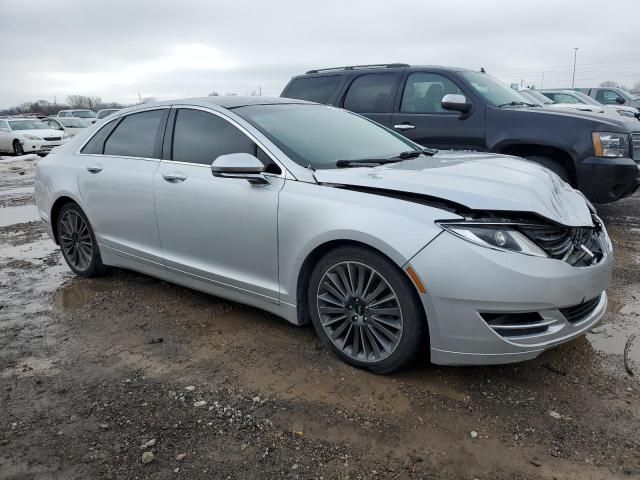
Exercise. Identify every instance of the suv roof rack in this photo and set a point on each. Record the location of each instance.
(354, 67)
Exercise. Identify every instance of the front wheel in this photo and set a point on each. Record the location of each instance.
(17, 148)
(365, 309)
(78, 242)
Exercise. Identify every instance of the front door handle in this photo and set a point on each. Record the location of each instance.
(404, 126)
(94, 169)
(174, 177)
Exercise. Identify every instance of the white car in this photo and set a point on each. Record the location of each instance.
(79, 113)
(105, 112)
(28, 135)
(70, 126)
(583, 101)
(544, 101)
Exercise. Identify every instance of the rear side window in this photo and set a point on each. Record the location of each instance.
(135, 135)
(313, 89)
(371, 94)
(201, 137)
(95, 146)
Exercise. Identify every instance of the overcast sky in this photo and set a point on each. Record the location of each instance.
(117, 49)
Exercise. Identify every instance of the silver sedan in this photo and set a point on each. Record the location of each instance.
(319, 215)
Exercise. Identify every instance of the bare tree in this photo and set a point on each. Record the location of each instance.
(214, 94)
(636, 88)
(149, 99)
(83, 101)
(609, 83)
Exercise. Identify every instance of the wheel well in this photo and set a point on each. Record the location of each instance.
(55, 211)
(562, 157)
(307, 268)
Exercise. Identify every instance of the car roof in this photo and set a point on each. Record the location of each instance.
(226, 101)
(76, 110)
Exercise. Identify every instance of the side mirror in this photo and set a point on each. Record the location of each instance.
(620, 100)
(456, 103)
(240, 165)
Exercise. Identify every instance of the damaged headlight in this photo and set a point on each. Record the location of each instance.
(495, 236)
(611, 145)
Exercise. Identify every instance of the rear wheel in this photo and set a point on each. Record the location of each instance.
(78, 242)
(17, 148)
(365, 309)
(554, 165)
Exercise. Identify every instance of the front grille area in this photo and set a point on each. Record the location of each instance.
(635, 145)
(517, 324)
(52, 139)
(581, 311)
(578, 246)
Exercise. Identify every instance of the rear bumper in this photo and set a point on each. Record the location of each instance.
(464, 282)
(605, 180)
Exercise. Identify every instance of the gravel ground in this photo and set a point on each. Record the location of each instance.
(98, 376)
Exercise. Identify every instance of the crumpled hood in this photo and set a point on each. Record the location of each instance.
(479, 181)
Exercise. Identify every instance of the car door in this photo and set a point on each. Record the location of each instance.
(221, 230)
(116, 184)
(421, 118)
(372, 95)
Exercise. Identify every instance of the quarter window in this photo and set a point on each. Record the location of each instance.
(423, 93)
(313, 89)
(201, 137)
(371, 94)
(135, 135)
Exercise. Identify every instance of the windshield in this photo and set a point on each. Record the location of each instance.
(584, 98)
(28, 125)
(493, 91)
(537, 97)
(319, 136)
(83, 114)
(73, 122)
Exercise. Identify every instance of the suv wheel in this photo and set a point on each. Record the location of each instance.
(365, 309)
(554, 165)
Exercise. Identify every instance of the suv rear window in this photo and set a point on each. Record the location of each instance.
(371, 94)
(313, 89)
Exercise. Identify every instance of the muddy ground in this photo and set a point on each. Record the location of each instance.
(92, 370)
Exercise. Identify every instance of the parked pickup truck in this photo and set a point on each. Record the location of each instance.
(462, 109)
(612, 96)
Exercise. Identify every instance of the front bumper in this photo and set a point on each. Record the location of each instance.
(464, 280)
(41, 146)
(605, 180)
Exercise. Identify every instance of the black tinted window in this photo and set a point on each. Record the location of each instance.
(135, 135)
(313, 89)
(201, 137)
(371, 94)
(96, 144)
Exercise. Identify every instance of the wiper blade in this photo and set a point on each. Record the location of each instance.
(416, 153)
(365, 162)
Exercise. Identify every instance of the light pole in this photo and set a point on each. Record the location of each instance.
(573, 78)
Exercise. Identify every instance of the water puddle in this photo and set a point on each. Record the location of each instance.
(77, 293)
(23, 214)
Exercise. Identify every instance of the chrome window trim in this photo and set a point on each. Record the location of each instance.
(88, 139)
(285, 172)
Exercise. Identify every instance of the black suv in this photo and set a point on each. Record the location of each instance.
(461, 109)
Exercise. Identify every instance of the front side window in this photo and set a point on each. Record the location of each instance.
(319, 136)
(4, 124)
(495, 93)
(135, 135)
(564, 98)
(201, 137)
(371, 94)
(423, 93)
(313, 89)
(608, 97)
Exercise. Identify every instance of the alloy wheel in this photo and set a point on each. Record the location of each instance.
(17, 148)
(75, 240)
(359, 311)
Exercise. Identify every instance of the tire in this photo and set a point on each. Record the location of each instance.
(552, 164)
(17, 148)
(379, 303)
(78, 242)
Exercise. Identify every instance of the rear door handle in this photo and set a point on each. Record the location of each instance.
(404, 126)
(174, 177)
(94, 169)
